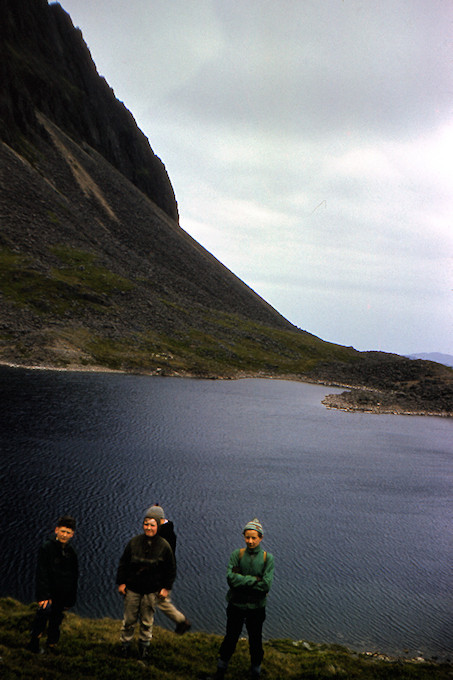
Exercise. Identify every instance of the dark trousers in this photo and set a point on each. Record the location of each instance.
(51, 615)
(253, 619)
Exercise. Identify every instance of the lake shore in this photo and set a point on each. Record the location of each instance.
(357, 399)
(89, 648)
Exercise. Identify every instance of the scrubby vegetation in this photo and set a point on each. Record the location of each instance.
(89, 649)
(78, 303)
(77, 284)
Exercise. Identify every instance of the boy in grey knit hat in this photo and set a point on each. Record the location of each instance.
(166, 606)
(145, 576)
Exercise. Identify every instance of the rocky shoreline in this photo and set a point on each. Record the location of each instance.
(353, 403)
(353, 400)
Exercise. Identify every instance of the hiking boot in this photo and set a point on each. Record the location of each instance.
(33, 646)
(143, 651)
(51, 649)
(125, 651)
(183, 627)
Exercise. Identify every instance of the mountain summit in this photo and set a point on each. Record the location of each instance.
(95, 269)
(46, 67)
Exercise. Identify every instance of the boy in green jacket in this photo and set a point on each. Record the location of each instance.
(249, 574)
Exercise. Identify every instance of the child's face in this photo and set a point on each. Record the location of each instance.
(64, 534)
(252, 538)
(150, 527)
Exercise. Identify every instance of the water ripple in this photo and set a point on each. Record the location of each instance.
(354, 509)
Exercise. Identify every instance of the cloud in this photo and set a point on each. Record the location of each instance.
(326, 67)
(147, 50)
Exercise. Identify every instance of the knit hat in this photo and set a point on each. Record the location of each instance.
(155, 512)
(254, 525)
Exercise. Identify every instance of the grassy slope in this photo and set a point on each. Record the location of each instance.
(78, 292)
(88, 649)
(77, 313)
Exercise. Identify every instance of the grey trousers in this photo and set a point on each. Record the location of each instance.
(168, 608)
(142, 608)
(138, 608)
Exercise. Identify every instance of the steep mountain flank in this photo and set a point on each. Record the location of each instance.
(95, 270)
(81, 244)
(46, 66)
(89, 244)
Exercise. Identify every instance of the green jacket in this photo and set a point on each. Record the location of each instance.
(250, 577)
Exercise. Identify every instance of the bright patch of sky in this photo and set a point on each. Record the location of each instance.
(310, 146)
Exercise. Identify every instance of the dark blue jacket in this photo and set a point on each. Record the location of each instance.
(57, 573)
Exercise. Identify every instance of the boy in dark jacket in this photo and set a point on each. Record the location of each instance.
(166, 606)
(146, 573)
(56, 584)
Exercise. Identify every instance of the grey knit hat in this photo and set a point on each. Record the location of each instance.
(254, 525)
(155, 512)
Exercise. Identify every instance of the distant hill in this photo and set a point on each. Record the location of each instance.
(95, 270)
(445, 359)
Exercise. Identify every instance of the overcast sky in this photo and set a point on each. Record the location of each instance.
(310, 146)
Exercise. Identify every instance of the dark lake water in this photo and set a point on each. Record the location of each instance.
(356, 508)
